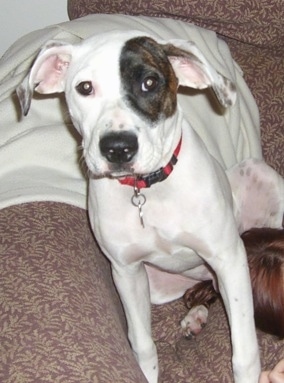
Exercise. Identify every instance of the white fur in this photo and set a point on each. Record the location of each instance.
(189, 218)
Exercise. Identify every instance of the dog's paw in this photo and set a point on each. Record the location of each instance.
(194, 321)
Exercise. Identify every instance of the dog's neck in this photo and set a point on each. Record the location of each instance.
(147, 180)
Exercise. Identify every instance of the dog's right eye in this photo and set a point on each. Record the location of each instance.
(150, 83)
(85, 88)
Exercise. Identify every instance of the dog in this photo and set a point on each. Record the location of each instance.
(161, 208)
(265, 253)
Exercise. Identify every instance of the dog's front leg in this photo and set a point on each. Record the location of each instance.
(234, 285)
(132, 285)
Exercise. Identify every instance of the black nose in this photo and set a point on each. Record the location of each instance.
(119, 147)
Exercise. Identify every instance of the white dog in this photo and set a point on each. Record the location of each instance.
(121, 91)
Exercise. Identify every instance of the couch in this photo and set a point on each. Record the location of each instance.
(60, 316)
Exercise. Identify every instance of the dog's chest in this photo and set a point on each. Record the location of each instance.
(118, 229)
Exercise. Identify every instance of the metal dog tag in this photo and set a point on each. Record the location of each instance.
(138, 200)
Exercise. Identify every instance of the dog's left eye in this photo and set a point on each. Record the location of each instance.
(149, 83)
(85, 88)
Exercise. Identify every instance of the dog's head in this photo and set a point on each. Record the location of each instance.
(121, 91)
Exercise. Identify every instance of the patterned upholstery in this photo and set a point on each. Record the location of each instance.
(259, 23)
(60, 317)
(61, 320)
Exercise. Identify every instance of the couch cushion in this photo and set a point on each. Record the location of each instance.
(255, 22)
(61, 320)
(206, 358)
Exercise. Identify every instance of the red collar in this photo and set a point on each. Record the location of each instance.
(147, 180)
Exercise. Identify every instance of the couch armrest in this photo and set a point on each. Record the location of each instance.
(61, 320)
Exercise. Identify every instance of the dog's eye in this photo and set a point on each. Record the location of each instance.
(85, 88)
(149, 84)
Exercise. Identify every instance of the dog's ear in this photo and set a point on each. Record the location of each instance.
(47, 74)
(193, 70)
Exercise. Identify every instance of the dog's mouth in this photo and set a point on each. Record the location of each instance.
(119, 170)
(127, 175)
(106, 169)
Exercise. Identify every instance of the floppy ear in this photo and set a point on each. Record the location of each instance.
(47, 74)
(193, 70)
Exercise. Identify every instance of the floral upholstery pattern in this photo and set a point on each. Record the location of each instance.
(257, 22)
(60, 317)
(61, 320)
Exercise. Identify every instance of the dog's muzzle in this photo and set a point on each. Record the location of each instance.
(119, 147)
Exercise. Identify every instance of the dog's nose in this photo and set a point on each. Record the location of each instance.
(119, 147)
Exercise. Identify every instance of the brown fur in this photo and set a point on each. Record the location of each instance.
(143, 58)
(203, 293)
(265, 251)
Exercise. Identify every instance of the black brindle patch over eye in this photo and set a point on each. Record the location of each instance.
(148, 80)
(85, 88)
(149, 84)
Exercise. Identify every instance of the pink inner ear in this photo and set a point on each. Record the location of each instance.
(189, 72)
(51, 74)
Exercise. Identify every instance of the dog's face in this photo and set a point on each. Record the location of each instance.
(122, 98)
(121, 91)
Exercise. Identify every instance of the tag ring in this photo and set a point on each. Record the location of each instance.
(138, 200)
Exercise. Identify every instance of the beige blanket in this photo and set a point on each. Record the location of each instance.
(39, 156)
